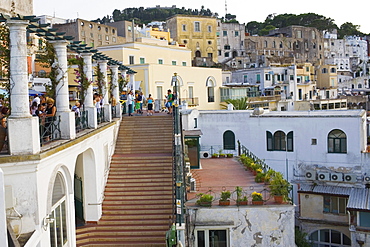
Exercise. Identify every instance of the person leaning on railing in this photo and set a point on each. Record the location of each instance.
(3, 133)
(50, 111)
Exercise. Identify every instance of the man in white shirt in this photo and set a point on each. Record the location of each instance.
(36, 99)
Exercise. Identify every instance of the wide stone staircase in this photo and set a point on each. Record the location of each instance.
(138, 204)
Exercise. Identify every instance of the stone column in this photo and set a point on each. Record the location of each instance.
(107, 107)
(67, 117)
(89, 99)
(23, 129)
(116, 91)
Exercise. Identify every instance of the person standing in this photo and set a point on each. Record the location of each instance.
(130, 99)
(150, 102)
(169, 103)
(36, 99)
(50, 111)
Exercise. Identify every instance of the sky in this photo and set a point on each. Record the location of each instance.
(244, 11)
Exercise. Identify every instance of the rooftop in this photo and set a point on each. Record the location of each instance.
(219, 174)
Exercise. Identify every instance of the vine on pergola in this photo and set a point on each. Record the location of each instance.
(4, 57)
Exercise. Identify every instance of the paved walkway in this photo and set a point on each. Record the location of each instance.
(218, 174)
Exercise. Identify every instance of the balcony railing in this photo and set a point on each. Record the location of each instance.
(101, 115)
(49, 129)
(191, 101)
(82, 121)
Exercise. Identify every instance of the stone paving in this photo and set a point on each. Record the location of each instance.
(219, 174)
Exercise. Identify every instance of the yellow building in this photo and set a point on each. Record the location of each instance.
(156, 62)
(327, 76)
(198, 33)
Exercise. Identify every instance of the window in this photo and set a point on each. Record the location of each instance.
(58, 227)
(131, 59)
(299, 34)
(114, 39)
(335, 205)
(209, 29)
(91, 35)
(173, 62)
(106, 37)
(159, 93)
(227, 54)
(227, 47)
(197, 26)
(210, 238)
(236, 33)
(313, 141)
(329, 238)
(183, 63)
(229, 140)
(211, 94)
(279, 141)
(337, 142)
(191, 92)
(267, 77)
(224, 33)
(99, 37)
(184, 27)
(209, 42)
(364, 219)
(142, 60)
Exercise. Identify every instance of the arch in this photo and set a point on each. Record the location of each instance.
(85, 176)
(211, 82)
(279, 141)
(229, 140)
(337, 141)
(198, 54)
(58, 203)
(235, 54)
(329, 237)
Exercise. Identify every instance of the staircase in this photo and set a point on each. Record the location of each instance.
(138, 204)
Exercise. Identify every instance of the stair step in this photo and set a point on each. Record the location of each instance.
(135, 217)
(137, 211)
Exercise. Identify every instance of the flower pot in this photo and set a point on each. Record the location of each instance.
(254, 173)
(224, 203)
(242, 203)
(279, 199)
(257, 202)
(205, 204)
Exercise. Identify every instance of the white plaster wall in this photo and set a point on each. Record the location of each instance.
(32, 181)
(249, 225)
(251, 131)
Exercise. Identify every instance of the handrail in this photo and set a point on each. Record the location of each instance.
(82, 121)
(49, 129)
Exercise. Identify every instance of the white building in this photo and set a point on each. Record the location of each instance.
(322, 152)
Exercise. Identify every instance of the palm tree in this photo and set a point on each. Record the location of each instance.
(239, 104)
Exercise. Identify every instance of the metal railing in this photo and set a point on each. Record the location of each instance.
(49, 129)
(82, 121)
(101, 115)
(114, 112)
(191, 101)
(243, 150)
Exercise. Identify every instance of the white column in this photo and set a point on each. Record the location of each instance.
(89, 99)
(3, 227)
(23, 129)
(67, 117)
(106, 105)
(116, 91)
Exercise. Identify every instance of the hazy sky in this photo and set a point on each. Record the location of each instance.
(245, 11)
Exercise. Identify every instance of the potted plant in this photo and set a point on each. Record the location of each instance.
(260, 176)
(240, 199)
(214, 155)
(221, 154)
(268, 175)
(257, 198)
(225, 198)
(229, 155)
(279, 187)
(204, 200)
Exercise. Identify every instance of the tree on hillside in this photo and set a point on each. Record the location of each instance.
(349, 29)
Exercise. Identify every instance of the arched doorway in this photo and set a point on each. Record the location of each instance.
(229, 140)
(58, 226)
(198, 54)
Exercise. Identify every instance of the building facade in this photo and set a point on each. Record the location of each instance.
(197, 33)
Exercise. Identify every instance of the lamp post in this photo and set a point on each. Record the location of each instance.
(179, 164)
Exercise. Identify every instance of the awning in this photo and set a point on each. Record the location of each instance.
(188, 133)
(3, 92)
(32, 92)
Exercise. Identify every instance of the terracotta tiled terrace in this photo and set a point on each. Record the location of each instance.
(218, 174)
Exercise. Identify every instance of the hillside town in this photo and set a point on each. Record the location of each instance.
(191, 131)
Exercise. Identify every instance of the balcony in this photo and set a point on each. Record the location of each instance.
(191, 101)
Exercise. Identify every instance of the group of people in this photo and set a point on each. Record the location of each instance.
(44, 108)
(135, 103)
